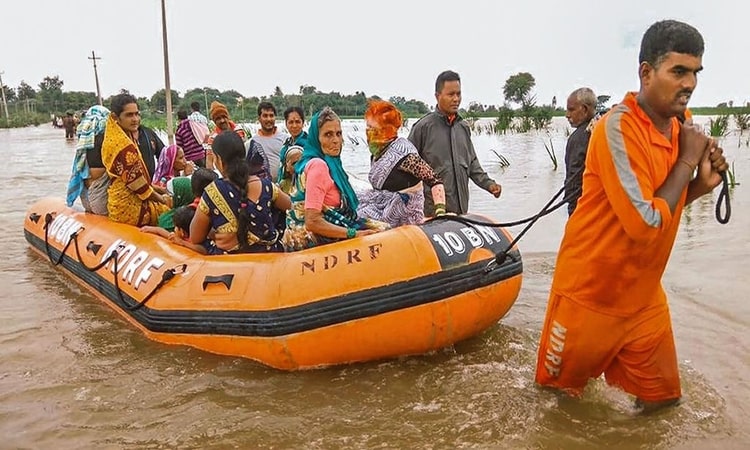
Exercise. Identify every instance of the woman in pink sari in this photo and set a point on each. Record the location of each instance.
(171, 164)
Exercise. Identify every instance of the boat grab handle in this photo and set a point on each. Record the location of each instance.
(226, 279)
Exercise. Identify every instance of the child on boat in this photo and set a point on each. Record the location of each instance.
(181, 234)
(186, 191)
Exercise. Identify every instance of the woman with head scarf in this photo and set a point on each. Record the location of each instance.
(131, 198)
(171, 164)
(324, 205)
(286, 171)
(397, 172)
(87, 181)
(294, 118)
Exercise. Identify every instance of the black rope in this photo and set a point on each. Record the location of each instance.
(165, 276)
(549, 208)
(723, 194)
(47, 222)
(723, 198)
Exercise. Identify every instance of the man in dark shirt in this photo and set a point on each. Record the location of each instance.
(581, 108)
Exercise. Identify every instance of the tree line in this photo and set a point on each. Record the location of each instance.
(519, 112)
(28, 105)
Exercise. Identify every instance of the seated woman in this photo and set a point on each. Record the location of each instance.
(294, 118)
(325, 205)
(286, 171)
(396, 173)
(131, 199)
(89, 179)
(171, 164)
(186, 191)
(239, 204)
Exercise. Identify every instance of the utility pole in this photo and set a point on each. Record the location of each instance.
(167, 90)
(93, 57)
(5, 103)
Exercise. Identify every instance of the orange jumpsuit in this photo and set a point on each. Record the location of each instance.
(607, 311)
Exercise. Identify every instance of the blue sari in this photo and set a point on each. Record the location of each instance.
(221, 202)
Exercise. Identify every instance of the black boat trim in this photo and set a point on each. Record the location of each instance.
(284, 321)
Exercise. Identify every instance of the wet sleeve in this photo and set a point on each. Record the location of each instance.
(620, 156)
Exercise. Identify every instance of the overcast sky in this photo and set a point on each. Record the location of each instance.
(384, 47)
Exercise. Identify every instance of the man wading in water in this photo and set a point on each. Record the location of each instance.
(607, 311)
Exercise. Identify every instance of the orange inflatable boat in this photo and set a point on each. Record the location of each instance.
(409, 290)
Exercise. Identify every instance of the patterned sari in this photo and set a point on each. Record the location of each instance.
(131, 185)
(396, 208)
(221, 203)
(297, 237)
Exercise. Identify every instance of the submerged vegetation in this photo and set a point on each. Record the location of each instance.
(731, 175)
(719, 127)
(551, 152)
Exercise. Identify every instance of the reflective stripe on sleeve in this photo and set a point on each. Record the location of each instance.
(628, 180)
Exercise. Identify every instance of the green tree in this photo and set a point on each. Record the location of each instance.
(601, 102)
(10, 94)
(398, 101)
(159, 99)
(78, 100)
(51, 84)
(25, 92)
(475, 108)
(307, 90)
(50, 94)
(518, 88)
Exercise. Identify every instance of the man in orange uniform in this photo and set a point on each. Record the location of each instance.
(607, 311)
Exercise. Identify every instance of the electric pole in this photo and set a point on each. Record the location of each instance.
(167, 90)
(5, 103)
(93, 57)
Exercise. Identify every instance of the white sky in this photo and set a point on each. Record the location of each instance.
(383, 47)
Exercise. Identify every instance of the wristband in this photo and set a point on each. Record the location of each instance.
(684, 161)
(350, 233)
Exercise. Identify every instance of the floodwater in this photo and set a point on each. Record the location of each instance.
(73, 374)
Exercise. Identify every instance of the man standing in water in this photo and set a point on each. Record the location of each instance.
(444, 141)
(607, 311)
(580, 111)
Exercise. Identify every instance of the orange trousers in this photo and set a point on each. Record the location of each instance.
(634, 353)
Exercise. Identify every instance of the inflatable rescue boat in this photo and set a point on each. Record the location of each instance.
(405, 291)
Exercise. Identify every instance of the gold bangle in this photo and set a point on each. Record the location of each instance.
(692, 167)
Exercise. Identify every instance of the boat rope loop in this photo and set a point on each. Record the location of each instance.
(113, 256)
(165, 277)
(723, 198)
